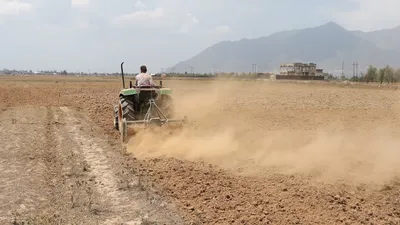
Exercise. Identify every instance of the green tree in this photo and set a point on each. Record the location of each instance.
(397, 75)
(355, 79)
(362, 77)
(372, 74)
(381, 75)
(389, 74)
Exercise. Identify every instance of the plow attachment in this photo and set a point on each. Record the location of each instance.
(154, 117)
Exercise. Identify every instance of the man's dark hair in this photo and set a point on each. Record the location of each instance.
(143, 69)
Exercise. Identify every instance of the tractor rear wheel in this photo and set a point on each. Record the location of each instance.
(128, 110)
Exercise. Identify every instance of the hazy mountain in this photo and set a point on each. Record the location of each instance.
(327, 45)
(385, 39)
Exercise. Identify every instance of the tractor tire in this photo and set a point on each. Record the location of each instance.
(116, 125)
(128, 111)
(124, 131)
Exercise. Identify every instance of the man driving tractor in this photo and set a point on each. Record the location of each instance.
(143, 78)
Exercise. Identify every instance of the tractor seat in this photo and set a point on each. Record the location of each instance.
(156, 86)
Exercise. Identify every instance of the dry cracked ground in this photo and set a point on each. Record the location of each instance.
(255, 152)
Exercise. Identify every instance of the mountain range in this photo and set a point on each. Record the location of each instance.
(328, 45)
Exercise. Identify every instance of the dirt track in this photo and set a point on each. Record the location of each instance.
(268, 153)
(56, 169)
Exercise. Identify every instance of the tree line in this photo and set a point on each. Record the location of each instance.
(379, 75)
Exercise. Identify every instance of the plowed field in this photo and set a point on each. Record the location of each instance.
(254, 152)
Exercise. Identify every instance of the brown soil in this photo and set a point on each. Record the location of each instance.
(254, 153)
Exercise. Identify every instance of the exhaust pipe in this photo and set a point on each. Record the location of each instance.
(122, 74)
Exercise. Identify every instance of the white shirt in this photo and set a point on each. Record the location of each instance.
(144, 79)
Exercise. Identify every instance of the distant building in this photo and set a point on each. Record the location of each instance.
(319, 72)
(300, 69)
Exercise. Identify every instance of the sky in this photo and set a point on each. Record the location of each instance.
(97, 35)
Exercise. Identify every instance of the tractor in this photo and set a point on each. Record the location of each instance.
(143, 106)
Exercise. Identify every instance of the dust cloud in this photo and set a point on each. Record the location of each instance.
(224, 137)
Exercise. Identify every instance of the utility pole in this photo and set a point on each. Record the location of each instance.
(253, 68)
(354, 68)
(342, 68)
(192, 70)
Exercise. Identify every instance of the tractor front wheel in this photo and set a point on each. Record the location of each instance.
(116, 126)
(124, 130)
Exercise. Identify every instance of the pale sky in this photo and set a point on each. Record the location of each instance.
(97, 35)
